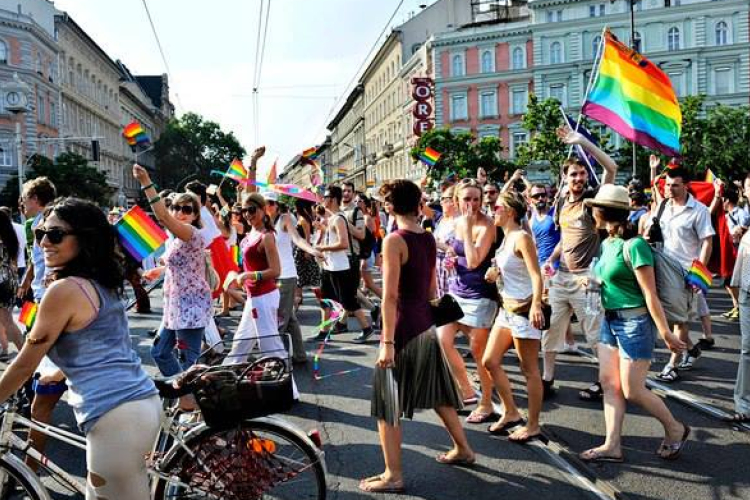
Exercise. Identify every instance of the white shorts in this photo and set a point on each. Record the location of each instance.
(520, 327)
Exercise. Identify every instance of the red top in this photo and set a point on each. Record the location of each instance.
(254, 259)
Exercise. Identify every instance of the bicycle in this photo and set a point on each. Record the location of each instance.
(263, 457)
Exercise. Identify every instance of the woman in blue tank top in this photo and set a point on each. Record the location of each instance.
(82, 325)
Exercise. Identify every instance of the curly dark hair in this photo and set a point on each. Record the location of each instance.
(8, 235)
(97, 258)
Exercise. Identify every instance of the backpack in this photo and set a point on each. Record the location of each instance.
(366, 244)
(675, 296)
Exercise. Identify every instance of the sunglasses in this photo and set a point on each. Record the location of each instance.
(539, 195)
(185, 209)
(469, 182)
(491, 191)
(54, 235)
(270, 202)
(249, 210)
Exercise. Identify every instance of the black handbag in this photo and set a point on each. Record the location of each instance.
(546, 312)
(446, 310)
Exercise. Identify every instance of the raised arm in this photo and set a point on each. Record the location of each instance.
(571, 138)
(178, 229)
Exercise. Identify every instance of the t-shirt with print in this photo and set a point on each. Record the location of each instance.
(578, 235)
(620, 289)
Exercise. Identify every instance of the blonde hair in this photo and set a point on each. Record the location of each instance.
(514, 201)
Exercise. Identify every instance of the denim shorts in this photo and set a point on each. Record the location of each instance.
(633, 336)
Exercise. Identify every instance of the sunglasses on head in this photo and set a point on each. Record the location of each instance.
(469, 182)
(54, 235)
(185, 209)
(250, 210)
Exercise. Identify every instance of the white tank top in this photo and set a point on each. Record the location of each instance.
(337, 260)
(516, 278)
(284, 245)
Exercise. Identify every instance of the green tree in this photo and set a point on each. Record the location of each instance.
(693, 133)
(192, 146)
(70, 173)
(542, 119)
(726, 142)
(462, 155)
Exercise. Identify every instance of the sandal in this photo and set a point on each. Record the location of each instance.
(597, 456)
(480, 417)
(444, 459)
(592, 393)
(504, 429)
(376, 484)
(673, 451)
(668, 374)
(738, 418)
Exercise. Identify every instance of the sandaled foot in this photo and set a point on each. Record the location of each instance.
(454, 458)
(378, 484)
(672, 451)
(480, 416)
(503, 426)
(525, 435)
(738, 418)
(594, 455)
(592, 393)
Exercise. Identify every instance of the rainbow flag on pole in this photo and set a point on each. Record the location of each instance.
(430, 157)
(699, 276)
(710, 177)
(237, 255)
(135, 135)
(28, 314)
(635, 98)
(139, 234)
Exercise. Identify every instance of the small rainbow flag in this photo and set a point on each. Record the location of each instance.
(341, 171)
(699, 276)
(135, 135)
(710, 177)
(237, 255)
(430, 157)
(139, 234)
(28, 314)
(311, 153)
(370, 183)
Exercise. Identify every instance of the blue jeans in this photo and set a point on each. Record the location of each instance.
(188, 341)
(634, 336)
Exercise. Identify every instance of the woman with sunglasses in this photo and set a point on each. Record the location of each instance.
(470, 253)
(187, 296)
(445, 230)
(82, 326)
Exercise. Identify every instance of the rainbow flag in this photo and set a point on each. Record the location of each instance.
(370, 183)
(135, 135)
(341, 172)
(710, 177)
(272, 175)
(237, 255)
(699, 276)
(28, 314)
(311, 153)
(139, 234)
(430, 157)
(635, 98)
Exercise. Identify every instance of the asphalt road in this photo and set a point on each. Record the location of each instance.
(713, 466)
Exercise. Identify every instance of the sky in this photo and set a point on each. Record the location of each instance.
(313, 49)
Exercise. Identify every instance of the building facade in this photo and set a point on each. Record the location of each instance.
(28, 56)
(348, 150)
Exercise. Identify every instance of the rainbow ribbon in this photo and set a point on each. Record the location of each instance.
(336, 313)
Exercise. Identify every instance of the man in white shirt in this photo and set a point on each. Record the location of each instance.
(687, 234)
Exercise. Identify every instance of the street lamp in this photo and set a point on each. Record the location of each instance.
(16, 95)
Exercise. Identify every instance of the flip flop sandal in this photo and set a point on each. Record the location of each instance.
(472, 400)
(443, 459)
(674, 450)
(597, 456)
(528, 439)
(738, 418)
(592, 393)
(480, 417)
(368, 485)
(669, 375)
(504, 430)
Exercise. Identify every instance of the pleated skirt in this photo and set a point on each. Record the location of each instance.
(421, 380)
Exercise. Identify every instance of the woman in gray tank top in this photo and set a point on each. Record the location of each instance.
(82, 325)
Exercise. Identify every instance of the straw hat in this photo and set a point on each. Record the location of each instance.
(610, 196)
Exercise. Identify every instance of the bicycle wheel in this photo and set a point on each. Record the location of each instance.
(14, 485)
(256, 460)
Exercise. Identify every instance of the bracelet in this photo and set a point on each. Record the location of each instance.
(258, 275)
(386, 342)
(152, 185)
(153, 200)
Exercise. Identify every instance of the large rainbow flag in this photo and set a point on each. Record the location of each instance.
(139, 234)
(635, 98)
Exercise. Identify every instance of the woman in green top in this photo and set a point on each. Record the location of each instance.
(626, 341)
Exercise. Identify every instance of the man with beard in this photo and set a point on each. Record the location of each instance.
(491, 192)
(545, 231)
(579, 244)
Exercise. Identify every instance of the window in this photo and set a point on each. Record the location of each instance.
(637, 41)
(602, 9)
(595, 45)
(722, 33)
(677, 83)
(519, 102)
(557, 91)
(39, 63)
(458, 107)
(40, 109)
(550, 16)
(488, 65)
(558, 16)
(457, 65)
(555, 53)
(6, 156)
(673, 39)
(3, 53)
(592, 10)
(52, 113)
(722, 81)
(516, 141)
(518, 59)
(488, 104)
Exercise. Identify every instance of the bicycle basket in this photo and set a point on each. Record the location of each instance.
(230, 394)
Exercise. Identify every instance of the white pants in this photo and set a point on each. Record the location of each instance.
(116, 448)
(567, 295)
(259, 327)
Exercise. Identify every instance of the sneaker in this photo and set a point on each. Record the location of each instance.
(570, 348)
(689, 358)
(320, 337)
(364, 335)
(375, 316)
(706, 344)
(668, 374)
(548, 387)
(4, 356)
(730, 312)
(734, 315)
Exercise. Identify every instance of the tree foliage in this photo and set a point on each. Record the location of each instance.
(542, 119)
(462, 155)
(191, 147)
(70, 173)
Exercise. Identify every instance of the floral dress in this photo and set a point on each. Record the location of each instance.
(8, 279)
(187, 297)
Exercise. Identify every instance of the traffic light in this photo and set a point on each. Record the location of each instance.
(95, 150)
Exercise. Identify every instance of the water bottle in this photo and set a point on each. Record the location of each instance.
(593, 291)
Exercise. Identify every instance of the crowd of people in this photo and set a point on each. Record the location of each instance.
(520, 263)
